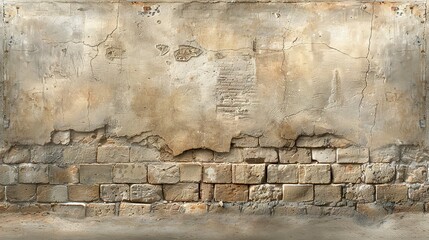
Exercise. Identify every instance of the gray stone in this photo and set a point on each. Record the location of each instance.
(79, 154)
(295, 155)
(33, 173)
(260, 155)
(327, 194)
(52, 193)
(353, 155)
(69, 210)
(144, 154)
(361, 193)
(324, 155)
(61, 137)
(47, 154)
(8, 175)
(379, 173)
(17, 155)
(21, 193)
(385, 154)
(235, 155)
(145, 193)
(113, 154)
(100, 173)
(114, 192)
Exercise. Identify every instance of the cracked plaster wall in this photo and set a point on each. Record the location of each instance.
(198, 74)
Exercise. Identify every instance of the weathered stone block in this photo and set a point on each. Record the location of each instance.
(114, 192)
(346, 173)
(385, 154)
(33, 173)
(217, 173)
(298, 193)
(256, 209)
(145, 193)
(47, 154)
(295, 155)
(327, 194)
(2, 193)
(317, 173)
(419, 192)
(203, 155)
(282, 173)
(63, 175)
(129, 173)
(245, 141)
(163, 173)
(61, 137)
(133, 209)
(190, 172)
(361, 193)
(324, 155)
(288, 210)
(144, 154)
(265, 192)
(260, 155)
(194, 208)
(166, 209)
(181, 192)
(371, 210)
(21, 193)
(17, 155)
(414, 154)
(100, 210)
(200, 155)
(8, 175)
(69, 210)
(206, 192)
(353, 155)
(235, 155)
(224, 208)
(391, 193)
(83, 193)
(411, 173)
(379, 173)
(101, 173)
(79, 154)
(409, 208)
(113, 154)
(322, 142)
(231, 193)
(248, 173)
(52, 193)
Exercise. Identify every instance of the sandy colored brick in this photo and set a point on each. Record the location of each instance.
(206, 192)
(391, 193)
(371, 210)
(265, 192)
(346, 173)
(144, 154)
(245, 141)
(315, 173)
(113, 154)
(235, 155)
(100, 173)
(130, 173)
(166, 209)
(379, 173)
(248, 173)
(52, 193)
(231, 192)
(69, 210)
(361, 193)
(217, 173)
(114, 192)
(21, 193)
(181, 192)
(168, 173)
(327, 194)
(282, 173)
(324, 155)
(260, 155)
(323, 141)
(385, 154)
(8, 175)
(297, 193)
(193, 208)
(190, 172)
(83, 193)
(295, 155)
(17, 155)
(79, 154)
(145, 193)
(133, 209)
(100, 210)
(63, 175)
(33, 173)
(353, 155)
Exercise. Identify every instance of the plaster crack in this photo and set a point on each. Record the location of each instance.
(367, 59)
(374, 120)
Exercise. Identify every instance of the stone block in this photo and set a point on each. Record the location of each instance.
(260, 155)
(245, 141)
(69, 210)
(61, 137)
(411, 173)
(265, 192)
(21, 193)
(282, 173)
(325, 141)
(248, 173)
(190, 172)
(409, 208)
(198, 155)
(167, 173)
(181, 192)
(52, 193)
(194, 208)
(346, 173)
(130, 173)
(371, 210)
(114, 192)
(206, 192)
(51, 154)
(35, 208)
(324, 155)
(327, 194)
(361, 193)
(315, 173)
(83, 193)
(256, 209)
(63, 175)
(414, 154)
(145, 193)
(353, 155)
(295, 155)
(144, 154)
(100, 210)
(385, 154)
(100, 173)
(17, 155)
(2, 193)
(113, 154)
(289, 210)
(8, 175)
(235, 155)
(78, 154)
(297, 193)
(419, 192)
(166, 209)
(224, 208)
(133, 209)
(391, 193)
(379, 173)
(33, 173)
(217, 173)
(231, 192)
